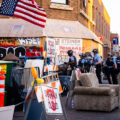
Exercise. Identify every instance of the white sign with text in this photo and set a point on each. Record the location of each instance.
(51, 100)
(50, 47)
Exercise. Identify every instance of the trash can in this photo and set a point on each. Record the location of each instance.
(6, 66)
(65, 83)
(2, 88)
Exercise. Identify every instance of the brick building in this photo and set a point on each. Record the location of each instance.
(90, 13)
(102, 27)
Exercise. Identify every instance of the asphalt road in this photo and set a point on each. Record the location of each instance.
(80, 115)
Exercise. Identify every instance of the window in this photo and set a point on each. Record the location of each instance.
(84, 3)
(60, 1)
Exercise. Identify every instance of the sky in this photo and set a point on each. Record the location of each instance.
(113, 8)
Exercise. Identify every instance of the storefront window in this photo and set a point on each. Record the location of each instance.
(60, 1)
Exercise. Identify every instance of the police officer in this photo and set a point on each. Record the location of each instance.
(118, 67)
(97, 62)
(72, 59)
(81, 62)
(110, 70)
(118, 63)
(88, 62)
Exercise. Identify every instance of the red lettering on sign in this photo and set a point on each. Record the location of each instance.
(51, 99)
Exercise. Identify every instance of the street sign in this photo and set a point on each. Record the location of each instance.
(115, 48)
(115, 40)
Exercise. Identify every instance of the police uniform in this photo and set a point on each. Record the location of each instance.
(118, 68)
(74, 64)
(97, 58)
(118, 64)
(81, 64)
(110, 71)
(88, 63)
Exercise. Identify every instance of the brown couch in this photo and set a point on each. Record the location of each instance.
(90, 95)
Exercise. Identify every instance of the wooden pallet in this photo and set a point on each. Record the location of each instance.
(51, 77)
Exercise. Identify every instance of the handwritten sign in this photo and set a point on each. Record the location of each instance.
(50, 47)
(51, 100)
(69, 44)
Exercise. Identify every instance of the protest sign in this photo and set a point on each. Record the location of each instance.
(51, 100)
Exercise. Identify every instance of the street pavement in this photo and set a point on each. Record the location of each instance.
(79, 115)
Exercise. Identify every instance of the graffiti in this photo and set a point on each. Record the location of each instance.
(21, 51)
(7, 43)
(21, 47)
(2, 52)
(29, 41)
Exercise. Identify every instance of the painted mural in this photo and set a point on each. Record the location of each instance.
(21, 47)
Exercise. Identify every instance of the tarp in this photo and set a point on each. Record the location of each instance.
(68, 29)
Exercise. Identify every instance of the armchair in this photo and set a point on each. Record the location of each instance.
(90, 95)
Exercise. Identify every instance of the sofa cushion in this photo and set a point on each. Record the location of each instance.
(104, 91)
(89, 80)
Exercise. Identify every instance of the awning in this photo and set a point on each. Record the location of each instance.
(19, 28)
(54, 28)
(68, 29)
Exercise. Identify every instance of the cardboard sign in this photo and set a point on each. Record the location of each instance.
(3, 68)
(51, 100)
(38, 91)
(50, 47)
(55, 84)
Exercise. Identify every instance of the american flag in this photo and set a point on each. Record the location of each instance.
(24, 9)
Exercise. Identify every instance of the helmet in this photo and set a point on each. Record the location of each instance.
(95, 51)
(84, 55)
(109, 54)
(70, 52)
(81, 54)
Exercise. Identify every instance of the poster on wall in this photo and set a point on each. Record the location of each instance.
(21, 47)
(69, 44)
(51, 100)
(65, 44)
(50, 47)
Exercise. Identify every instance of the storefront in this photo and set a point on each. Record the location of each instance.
(27, 40)
(71, 35)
